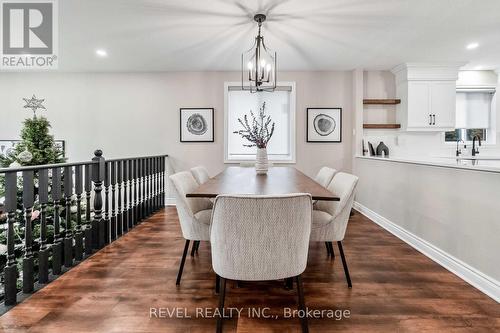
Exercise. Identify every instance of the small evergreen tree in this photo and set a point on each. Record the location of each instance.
(37, 146)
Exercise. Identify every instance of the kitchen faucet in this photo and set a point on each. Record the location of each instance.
(475, 150)
(458, 150)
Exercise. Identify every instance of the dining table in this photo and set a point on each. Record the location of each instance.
(238, 180)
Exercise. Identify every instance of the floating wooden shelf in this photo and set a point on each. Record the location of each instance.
(382, 126)
(381, 101)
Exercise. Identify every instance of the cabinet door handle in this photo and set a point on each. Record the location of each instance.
(434, 119)
(430, 119)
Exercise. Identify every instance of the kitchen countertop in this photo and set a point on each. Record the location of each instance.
(484, 163)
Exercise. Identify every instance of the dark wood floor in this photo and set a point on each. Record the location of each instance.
(395, 288)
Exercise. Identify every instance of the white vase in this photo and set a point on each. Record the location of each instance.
(261, 163)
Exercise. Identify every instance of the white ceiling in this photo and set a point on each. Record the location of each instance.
(164, 35)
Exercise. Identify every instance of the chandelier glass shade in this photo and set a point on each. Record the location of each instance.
(258, 64)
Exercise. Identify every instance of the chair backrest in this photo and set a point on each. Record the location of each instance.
(200, 173)
(184, 183)
(325, 176)
(344, 186)
(260, 237)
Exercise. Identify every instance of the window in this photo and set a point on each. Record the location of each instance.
(473, 116)
(280, 105)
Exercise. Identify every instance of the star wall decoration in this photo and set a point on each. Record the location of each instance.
(34, 104)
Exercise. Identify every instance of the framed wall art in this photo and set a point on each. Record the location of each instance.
(197, 125)
(324, 125)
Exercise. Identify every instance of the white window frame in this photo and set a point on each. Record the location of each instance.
(293, 116)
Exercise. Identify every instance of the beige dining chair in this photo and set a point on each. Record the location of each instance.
(330, 218)
(200, 173)
(258, 238)
(325, 176)
(194, 214)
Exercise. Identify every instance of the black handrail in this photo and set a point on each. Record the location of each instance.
(44, 166)
(48, 198)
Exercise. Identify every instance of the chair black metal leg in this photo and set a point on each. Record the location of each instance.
(217, 283)
(302, 304)
(327, 248)
(332, 252)
(289, 283)
(193, 248)
(344, 263)
(222, 295)
(198, 246)
(181, 267)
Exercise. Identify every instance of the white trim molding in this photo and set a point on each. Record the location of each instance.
(484, 283)
(169, 201)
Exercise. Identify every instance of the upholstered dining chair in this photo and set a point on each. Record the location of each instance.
(200, 173)
(330, 218)
(257, 238)
(194, 214)
(325, 176)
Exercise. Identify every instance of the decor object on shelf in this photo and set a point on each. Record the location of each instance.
(382, 149)
(372, 150)
(324, 124)
(197, 125)
(258, 134)
(258, 64)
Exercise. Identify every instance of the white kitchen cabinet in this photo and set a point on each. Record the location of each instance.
(428, 96)
(443, 104)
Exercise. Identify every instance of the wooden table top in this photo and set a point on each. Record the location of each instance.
(279, 180)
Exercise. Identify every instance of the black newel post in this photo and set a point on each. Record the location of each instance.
(68, 233)
(57, 245)
(97, 178)
(43, 254)
(10, 270)
(78, 229)
(88, 224)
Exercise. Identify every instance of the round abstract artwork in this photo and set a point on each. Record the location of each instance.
(196, 124)
(324, 124)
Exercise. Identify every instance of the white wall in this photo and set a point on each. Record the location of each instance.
(381, 84)
(130, 114)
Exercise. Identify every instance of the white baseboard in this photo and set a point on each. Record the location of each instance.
(481, 281)
(169, 201)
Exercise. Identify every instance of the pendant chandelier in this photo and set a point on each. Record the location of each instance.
(258, 65)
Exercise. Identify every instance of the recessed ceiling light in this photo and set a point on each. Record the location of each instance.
(101, 53)
(472, 46)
